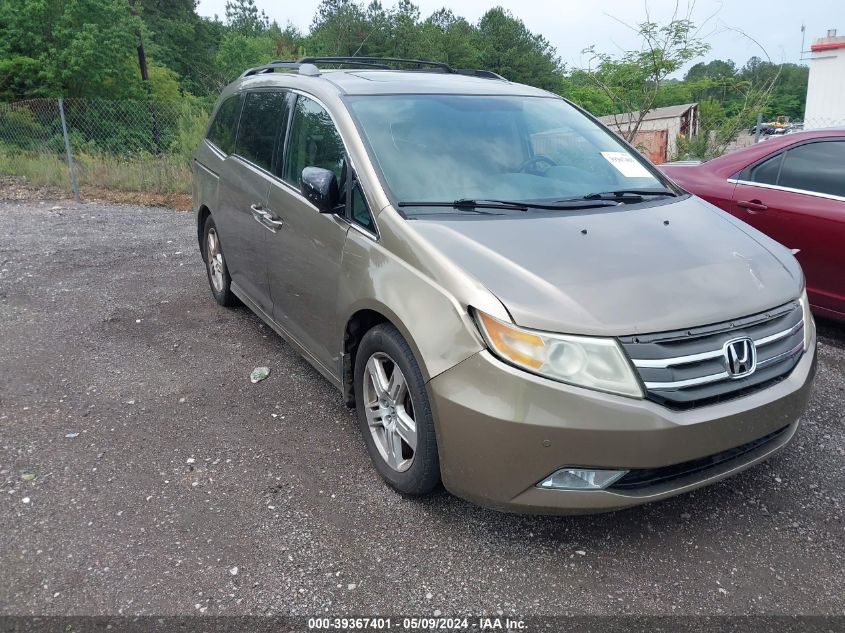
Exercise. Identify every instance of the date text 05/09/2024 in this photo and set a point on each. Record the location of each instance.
(417, 624)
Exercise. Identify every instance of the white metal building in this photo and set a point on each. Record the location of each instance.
(826, 86)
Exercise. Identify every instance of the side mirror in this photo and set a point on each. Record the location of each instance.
(319, 186)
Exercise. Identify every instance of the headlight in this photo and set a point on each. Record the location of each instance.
(809, 324)
(595, 363)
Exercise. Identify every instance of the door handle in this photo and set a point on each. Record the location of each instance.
(272, 222)
(264, 217)
(752, 205)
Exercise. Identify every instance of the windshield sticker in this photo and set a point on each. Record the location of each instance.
(626, 164)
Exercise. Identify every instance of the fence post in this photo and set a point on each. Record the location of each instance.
(74, 185)
(759, 125)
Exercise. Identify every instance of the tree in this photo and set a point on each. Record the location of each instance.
(405, 30)
(289, 42)
(449, 38)
(238, 52)
(510, 49)
(84, 48)
(789, 86)
(338, 28)
(632, 81)
(87, 48)
(578, 86)
(176, 37)
(243, 17)
(716, 69)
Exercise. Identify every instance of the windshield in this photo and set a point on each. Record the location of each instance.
(456, 147)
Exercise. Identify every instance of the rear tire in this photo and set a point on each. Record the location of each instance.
(215, 266)
(394, 413)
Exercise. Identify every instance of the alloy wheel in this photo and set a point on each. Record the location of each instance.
(215, 260)
(390, 412)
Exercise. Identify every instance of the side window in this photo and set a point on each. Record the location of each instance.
(767, 171)
(314, 142)
(224, 126)
(263, 113)
(360, 212)
(818, 167)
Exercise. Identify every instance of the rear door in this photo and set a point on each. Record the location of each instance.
(304, 256)
(797, 197)
(245, 183)
(755, 200)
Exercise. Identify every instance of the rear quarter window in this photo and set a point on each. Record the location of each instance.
(263, 114)
(224, 127)
(767, 171)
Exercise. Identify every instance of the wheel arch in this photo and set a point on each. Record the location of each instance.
(376, 285)
(356, 326)
(203, 214)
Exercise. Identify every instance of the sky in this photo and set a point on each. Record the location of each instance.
(572, 25)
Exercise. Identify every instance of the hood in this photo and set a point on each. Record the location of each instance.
(672, 265)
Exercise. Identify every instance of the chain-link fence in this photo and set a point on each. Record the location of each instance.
(122, 145)
(818, 123)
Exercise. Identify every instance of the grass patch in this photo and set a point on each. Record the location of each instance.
(166, 174)
(39, 169)
(148, 173)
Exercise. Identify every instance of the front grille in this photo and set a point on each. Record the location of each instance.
(646, 477)
(689, 368)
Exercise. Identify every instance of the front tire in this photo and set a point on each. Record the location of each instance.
(394, 413)
(215, 265)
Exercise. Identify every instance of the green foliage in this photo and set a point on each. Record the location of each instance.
(632, 80)
(238, 52)
(450, 38)
(716, 69)
(88, 49)
(164, 83)
(80, 48)
(510, 49)
(142, 173)
(638, 80)
(30, 128)
(789, 93)
(122, 145)
(499, 42)
(177, 38)
(341, 27)
(242, 16)
(36, 167)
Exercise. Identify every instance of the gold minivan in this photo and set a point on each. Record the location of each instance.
(515, 301)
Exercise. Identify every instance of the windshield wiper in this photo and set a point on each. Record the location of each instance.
(516, 205)
(467, 204)
(628, 195)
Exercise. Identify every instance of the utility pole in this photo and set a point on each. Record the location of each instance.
(142, 56)
(145, 77)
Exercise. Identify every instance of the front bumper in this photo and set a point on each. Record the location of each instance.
(501, 430)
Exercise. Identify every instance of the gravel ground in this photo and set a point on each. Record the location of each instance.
(166, 483)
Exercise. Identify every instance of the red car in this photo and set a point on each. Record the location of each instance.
(791, 188)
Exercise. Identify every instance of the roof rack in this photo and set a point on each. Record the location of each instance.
(474, 72)
(383, 62)
(308, 66)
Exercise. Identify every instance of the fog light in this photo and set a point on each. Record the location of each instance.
(581, 479)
